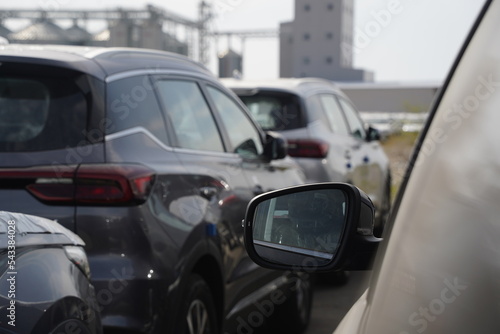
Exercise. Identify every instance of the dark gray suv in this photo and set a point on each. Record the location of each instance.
(151, 162)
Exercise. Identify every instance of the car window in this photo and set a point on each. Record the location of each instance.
(315, 111)
(334, 114)
(355, 123)
(191, 118)
(132, 103)
(274, 111)
(41, 113)
(244, 137)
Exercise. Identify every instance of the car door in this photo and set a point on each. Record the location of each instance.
(367, 156)
(207, 161)
(342, 144)
(204, 160)
(245, 140)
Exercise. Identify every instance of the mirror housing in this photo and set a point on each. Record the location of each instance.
(275, 146)
(339, 236)
(372, 134)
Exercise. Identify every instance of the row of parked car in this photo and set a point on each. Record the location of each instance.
(159, 210)
(149, 163)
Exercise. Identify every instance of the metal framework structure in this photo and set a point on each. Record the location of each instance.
(151, 12)
(202, 26)
(265, 33)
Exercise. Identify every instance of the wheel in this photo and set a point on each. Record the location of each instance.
(292, 317)
(385, 209)
(197, 309)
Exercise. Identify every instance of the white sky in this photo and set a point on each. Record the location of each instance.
(418, 43)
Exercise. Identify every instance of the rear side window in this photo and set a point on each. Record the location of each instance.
(191, 118)
(132, 104)
(41, 113)
(334, 114)
(274, 111)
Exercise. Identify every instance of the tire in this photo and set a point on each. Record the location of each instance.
(293, 316)
(197, 314)
(385, 209)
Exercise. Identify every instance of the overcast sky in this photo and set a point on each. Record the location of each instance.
(418, 42)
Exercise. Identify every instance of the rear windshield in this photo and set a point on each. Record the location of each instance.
(40, 112)
(274, 111)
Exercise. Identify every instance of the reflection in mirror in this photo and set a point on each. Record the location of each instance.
(308, 223)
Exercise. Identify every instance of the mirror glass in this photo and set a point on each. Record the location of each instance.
(301, 226)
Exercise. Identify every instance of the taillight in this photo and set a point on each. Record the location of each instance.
(99, 184)
(47, 183)
(115, 184)
(307, 148)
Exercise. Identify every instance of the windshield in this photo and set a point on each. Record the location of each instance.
(275, 111)
(40, 112)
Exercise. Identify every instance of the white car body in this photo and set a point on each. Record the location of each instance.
(438, 269)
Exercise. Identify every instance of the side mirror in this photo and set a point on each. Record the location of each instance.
(372, 134)
(313, 227)
(275, 146)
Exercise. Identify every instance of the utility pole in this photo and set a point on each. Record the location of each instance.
(205, 16)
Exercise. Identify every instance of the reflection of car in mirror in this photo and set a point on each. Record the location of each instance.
(308, 223)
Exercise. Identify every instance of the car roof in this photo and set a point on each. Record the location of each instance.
(100, 62)
(299, 86)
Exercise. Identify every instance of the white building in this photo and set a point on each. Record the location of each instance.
(318, 43)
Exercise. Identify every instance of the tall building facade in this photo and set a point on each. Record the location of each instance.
(318, 43)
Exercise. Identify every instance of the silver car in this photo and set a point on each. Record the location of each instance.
(324, 132)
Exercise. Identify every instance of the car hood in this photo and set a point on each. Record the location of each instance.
(33, 231)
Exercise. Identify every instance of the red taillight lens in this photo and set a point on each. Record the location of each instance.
(113, 184)
(47, 183)
(99, 184)
(53, 192)
(307, 148)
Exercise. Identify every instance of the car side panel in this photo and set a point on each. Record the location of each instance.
(372, 172)
(48, 289)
